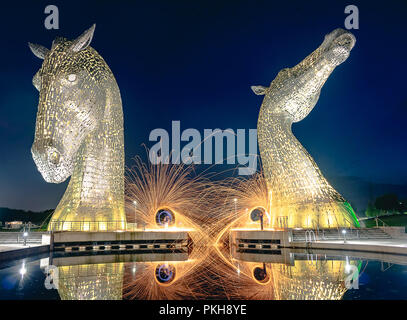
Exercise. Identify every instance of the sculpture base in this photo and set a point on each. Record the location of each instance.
(314, 216)
(119, 241)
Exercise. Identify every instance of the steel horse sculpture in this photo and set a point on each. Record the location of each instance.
(79, 134)
(300, 193)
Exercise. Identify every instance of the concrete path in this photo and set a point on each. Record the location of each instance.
(393, 246)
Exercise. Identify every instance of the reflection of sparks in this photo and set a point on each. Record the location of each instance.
(175, 187)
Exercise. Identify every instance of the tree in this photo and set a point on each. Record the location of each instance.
(403, 206)
(372, 211)
(388, 202)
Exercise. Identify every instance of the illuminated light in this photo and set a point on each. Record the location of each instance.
(66, 226)
(86, 226)
(79, 134)
(298, 192)
(72, 77)
(23, 270)
(25, 234)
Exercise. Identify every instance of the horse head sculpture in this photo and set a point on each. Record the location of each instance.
(79, 133)
(300, 191)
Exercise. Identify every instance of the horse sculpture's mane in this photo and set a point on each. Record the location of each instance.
(79, 133)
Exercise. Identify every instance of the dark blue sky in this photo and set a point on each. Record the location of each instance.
(195, 61)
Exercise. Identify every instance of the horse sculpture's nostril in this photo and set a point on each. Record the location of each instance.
(346, 40)
(54, 157)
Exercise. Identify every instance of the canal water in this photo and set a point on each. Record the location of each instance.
(204, 273)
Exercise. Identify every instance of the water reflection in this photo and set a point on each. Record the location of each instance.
(306, 280)
(102, 281)
(296, 276)
(210, 273)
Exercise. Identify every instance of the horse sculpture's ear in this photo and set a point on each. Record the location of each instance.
(38, 50)
(84, 40)
(259, 90)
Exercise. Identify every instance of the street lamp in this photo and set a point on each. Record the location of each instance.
(235, 201)
(344, 235)
(25, 236)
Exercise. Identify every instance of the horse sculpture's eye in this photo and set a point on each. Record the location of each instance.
(72, 77)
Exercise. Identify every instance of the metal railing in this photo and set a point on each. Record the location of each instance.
(98, 226)
(310, 236)
(19, 237)
(384, 224)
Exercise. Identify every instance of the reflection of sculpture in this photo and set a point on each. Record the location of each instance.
(305, 280)
(91, 281)
(310, 280)
(299, 190)
(79, 132)
(288, 275)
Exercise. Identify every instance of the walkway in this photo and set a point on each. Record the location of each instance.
(393, 246)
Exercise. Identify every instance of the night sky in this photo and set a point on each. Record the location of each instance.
(195, 61)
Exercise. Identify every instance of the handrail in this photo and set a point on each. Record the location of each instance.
(383, 223)
(62, 225)
(310, 233)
